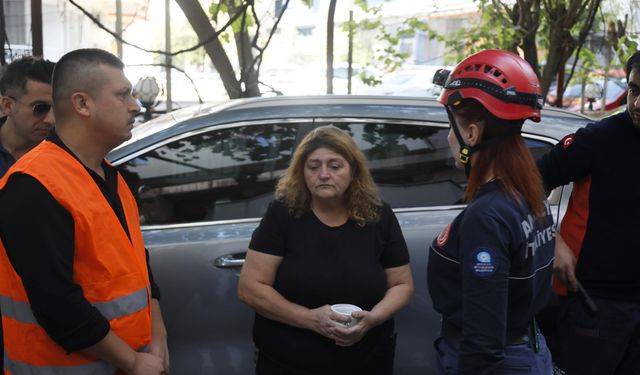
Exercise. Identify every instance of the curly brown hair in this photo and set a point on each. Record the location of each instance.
(362, 197)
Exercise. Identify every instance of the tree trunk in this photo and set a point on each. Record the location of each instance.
(561, 45)
(330, 23)
(562, 18)
(554, 62)
(202, 26)
(529, 20)
(3, 34)
(36, 28)
(248, 72)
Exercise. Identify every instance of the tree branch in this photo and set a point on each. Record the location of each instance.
(160, 52)
(594, 5)
(258, 58)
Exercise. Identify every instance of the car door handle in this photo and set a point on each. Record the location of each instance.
(230, 260)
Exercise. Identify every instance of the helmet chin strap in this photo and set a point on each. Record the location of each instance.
(465, 150)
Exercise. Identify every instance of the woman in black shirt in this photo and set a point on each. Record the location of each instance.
(326, 239)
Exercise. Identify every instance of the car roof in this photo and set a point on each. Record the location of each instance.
(420, 109)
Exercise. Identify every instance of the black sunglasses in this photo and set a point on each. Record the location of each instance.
(38, 109)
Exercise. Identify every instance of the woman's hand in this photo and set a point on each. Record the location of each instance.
(399, 292)
(324, 321)
(347, 336)
(332, 325)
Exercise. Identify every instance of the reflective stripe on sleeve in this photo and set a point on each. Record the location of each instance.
(122, 306)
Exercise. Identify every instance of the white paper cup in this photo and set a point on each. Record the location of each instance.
(346, 309)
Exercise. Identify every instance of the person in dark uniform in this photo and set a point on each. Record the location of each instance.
(326, 239)
(597, 246)
(489, 270)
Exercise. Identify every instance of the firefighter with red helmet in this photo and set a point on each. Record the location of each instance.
(489, 271)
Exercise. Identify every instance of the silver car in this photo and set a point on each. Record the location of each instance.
(203, 177)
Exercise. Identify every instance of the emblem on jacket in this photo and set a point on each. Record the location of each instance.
(443, 237)
(483, 262)
(567, 141)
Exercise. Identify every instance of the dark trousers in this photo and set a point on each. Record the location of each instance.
(378, 362)
(519, 359)
(605, 343)
(267, 366)
(548, 322)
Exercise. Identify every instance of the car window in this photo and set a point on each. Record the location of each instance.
(537, 148)
(231, 173)
(217, 175)
(412, 165)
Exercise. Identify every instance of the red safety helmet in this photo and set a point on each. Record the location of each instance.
(503, 82)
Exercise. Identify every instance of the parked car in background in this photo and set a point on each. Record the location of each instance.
(204, 175)
(616, 95)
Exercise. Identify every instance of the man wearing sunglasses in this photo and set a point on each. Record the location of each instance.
(26, 102)
(25, 86)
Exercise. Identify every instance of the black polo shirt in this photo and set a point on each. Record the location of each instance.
(41, 250)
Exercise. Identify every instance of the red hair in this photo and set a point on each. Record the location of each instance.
(507, 157)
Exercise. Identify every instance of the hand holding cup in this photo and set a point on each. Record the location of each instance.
(345, 310)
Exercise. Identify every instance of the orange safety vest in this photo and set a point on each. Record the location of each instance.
(574, 224)
(110, 268)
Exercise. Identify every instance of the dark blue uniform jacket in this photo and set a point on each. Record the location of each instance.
(489, 273)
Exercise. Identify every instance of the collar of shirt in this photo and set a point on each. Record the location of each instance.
(6, 159)
(109, 171)
(108, 186)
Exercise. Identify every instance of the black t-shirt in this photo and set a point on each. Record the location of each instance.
(326, 265)
(489, 273)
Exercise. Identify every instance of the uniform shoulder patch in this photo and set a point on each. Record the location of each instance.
(484, 263)
(567, 141)
(443, 237)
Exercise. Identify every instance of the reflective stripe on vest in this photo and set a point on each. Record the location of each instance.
(116, 308)
(94, 368)
(124, 305)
